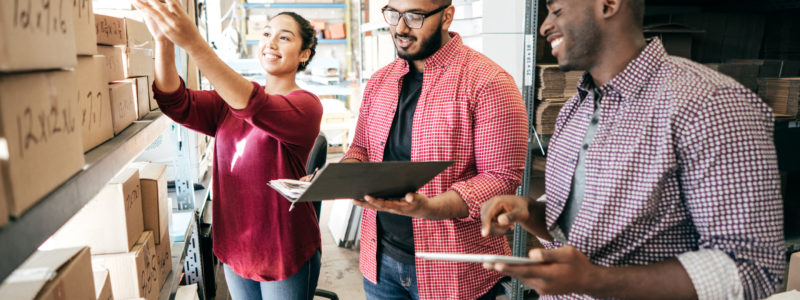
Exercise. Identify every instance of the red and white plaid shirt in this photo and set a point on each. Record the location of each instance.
(471, 112)
(682, 165)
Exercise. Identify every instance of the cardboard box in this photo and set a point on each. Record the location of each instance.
(85, 33)
(56, 274)
(93, 99)
(41, 155)
(744, 73)
(102, 285)
(677, 39)
(153, 180)
(28, 42)
(153, 103)
(3, 208)
(123, 103)
(138, 62)
(142, 96)
(110, 223)
(337, 31)
(115, 61)
(187, 292)
(163, 258)
(120, 30)
(793, 280)
(133, 274)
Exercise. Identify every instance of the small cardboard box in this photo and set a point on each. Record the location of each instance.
(3, 208)
(138, 62)
(93, 99)
(133, 274)
(56, 274)
(115, 61)
(337, 31)
(85, 33)
(40, 155)
(142, 97)
(153, 179)
(123, 103)
(110, 30)
(793, 280)
(36, 35)
(187, 292)
(102, 285)
(164, 258)
(117, 29)
(153, 103)
(110, 223)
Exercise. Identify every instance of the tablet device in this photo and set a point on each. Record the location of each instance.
(385, 180)
(477, 258)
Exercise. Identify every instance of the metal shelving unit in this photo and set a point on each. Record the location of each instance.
(173, 280)
(21, 237)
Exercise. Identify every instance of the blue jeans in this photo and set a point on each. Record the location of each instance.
(300, 286)
(398, 281)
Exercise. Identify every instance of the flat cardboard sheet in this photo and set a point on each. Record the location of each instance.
(387, 180)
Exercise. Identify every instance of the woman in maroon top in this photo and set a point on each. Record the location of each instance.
(261, 133)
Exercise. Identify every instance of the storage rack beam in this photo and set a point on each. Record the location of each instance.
(21, 237)
(173, 280)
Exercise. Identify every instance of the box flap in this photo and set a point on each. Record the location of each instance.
(28, 280)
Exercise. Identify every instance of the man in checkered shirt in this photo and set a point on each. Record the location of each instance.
(440, 100)
(661, 179)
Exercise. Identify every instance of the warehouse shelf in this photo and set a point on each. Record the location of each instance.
(178, 249)
(294, 5)
(21, 237)
(367, 27)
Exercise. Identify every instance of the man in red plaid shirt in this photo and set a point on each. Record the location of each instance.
(440, 100)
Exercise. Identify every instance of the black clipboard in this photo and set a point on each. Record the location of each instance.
(386, 180)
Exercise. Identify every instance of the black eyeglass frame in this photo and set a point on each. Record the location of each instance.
(404, 15)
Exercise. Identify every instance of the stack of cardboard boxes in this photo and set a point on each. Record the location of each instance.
(125, 226)
(40, 118)
(128, 47)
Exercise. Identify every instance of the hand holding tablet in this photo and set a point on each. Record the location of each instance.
(477, 258)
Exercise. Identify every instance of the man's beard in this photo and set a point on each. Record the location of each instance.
(427, 47)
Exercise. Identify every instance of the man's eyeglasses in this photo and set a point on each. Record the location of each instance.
(413, 20)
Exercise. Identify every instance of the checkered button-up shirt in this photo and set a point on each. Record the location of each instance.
(682, 165)
(470, 111)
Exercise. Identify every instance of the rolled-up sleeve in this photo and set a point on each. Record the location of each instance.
(731, 187)
(501, 138)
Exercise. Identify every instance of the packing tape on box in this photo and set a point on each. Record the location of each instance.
(32, 274)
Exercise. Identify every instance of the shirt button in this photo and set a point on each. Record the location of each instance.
(381, 143)
(392, 110)
(595, 120)
(572, 160)
(588, 115)
(585, 146)
(372, 240)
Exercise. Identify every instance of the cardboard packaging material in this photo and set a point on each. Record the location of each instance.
(115, 61)
(744, 73)
(153, 180)
(133, 274)
(110, 223)
(153, 103)
(3, 208)
(163, 258)
(142, 97)
(40, 155)
(102, 285)
(773, 67)
(123, 103)
(93, 99)
(85, 34)
(677, 39)
(36, 35)
(115, 28)
(56, 274)
(782, 94)
(138, 62)
(546, 114)
(793, 281)
(337, 31)
(187, 292)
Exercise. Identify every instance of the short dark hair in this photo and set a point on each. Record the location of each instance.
(637, 9)
(307, 33)
(443, 2)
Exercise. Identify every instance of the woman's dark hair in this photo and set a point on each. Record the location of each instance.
(307, 33)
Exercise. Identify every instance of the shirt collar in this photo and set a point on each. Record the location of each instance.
(632, 79)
